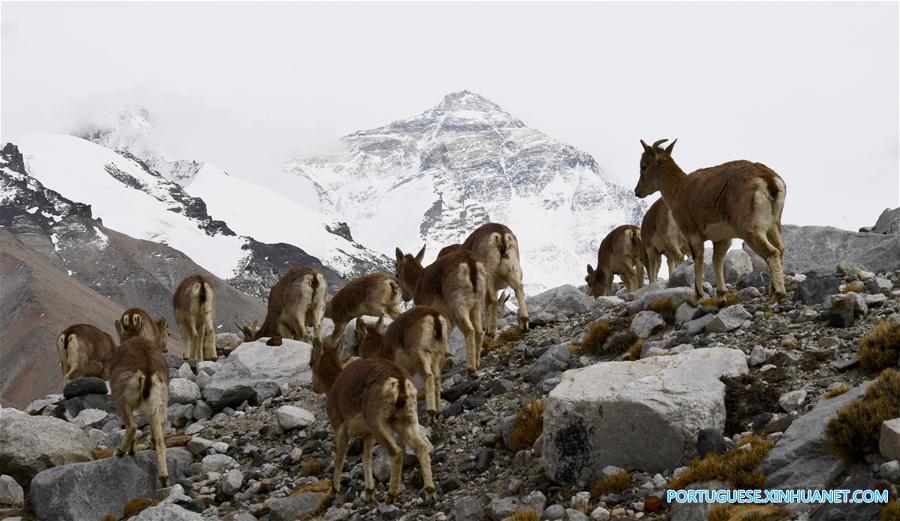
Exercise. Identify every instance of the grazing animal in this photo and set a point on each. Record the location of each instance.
(498, 247)
(296, 302)
(195, 313)
(416, 341)
(371, 398)
(374, 294)
(456, 285)
(84, 350)
(139, 380)
(661, 235)
(136, 321)
(738, 199)
(621, 253)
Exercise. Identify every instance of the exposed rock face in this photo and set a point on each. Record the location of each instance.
(93, 489)
(592, 416)
(30, 444)
(821, 248)
(255, 371)
(888, 221)
(561, 300)
(800, 459)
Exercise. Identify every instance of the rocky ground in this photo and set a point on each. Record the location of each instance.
(251, 440)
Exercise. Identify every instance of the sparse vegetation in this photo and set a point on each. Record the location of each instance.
(746, 397)
(523, 514)
(890, 511)
(311, 467)
(880, 348)
(855, 287)
(855, 430)
(135, 506)
(621, 342)
(748, 513)
(634, 352)
(102, 453)
(595, 337)
(529, 425)
(323, 485)
(837, 391)
(665, 307)
(509, 334)
(740, 466)
(611, 484)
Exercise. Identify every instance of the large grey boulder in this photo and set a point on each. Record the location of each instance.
(591, 417)
(698, 511)
(93, 489)
(888, 221)
(302, 506)
(821, 248)
(646, 322)
(167, 512)
(557, 358)
(738, 263)
(729, 319)
(801, 459)
(30, 444)
(11, 493)
(562, 300)
(255, 371)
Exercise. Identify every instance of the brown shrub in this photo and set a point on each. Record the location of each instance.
(855, 430)
(135, 506)
(523, 514)
(634, 352)
(837, 391)
(855, 287)
(323, 485)
(102, 453)
(621, 342)
(311, 467)
(529, 425)
(509, 334)
(664, 307)
(596, 335)
(738, 466)
(890, 511)
(880, 348)
(611, 484)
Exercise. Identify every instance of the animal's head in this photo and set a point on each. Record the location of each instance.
(130, 324)
(408, 270)
(325, 362)
(594, 281)
(248, 332)
(369, 338)
(652, 159)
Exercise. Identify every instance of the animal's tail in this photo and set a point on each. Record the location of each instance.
(502, 245)
(146, 383)
(438, 327)
(401, 393)
(314, 283)
(778, 191)
(201, 295)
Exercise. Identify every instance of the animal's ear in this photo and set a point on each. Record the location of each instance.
(119, 329)
(360, 329)
(399, 254)
(379, 324)
(590, 270)
(671, 146)
(420, 255)
(161, 323)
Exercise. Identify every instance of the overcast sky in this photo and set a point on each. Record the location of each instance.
(810, 89)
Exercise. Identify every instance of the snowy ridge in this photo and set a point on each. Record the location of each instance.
(435, 177)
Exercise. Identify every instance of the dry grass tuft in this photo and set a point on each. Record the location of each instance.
(596, 335)
(664, 307)
(738, 466)
(135, 506)
(621, 342)
(855, 287)
(890, 511)
(102, 453)
(311, 467)
(611, 484)
(110, 517)
(529, 425)
(746, 397)
(179, 440)
(855, 430)
(634, 352)
(767, 512)
(837, 391)
(523, 514)
(510, 334)
(880, 348)
(317, 486)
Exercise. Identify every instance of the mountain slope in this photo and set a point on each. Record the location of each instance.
(435, 177)
(251, 210)
(62, 266)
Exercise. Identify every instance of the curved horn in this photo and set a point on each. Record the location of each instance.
(659, 142)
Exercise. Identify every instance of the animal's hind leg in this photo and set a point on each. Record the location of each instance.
(385, 439)
(774, 258)
(492, 307)
(479, 334)
(369, 492)
(411, 435)
(720, 248)
(522, 313)
(468, 331)
(341, 438)
(209, 340)
(697, 254)
(127, 445)
(159, 441)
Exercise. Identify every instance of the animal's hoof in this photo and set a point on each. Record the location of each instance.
(524, 324)
(429, 494)
(391, 498)
(368, 495)
(119, 453)
(164, 481)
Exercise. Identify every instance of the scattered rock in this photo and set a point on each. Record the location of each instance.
(889, 441)
(232, 482)
(218, 463)
(729, 319)
(565, 300)
(759, 355)
(820, 248)
(557, 358)
(301, 506)
(590, 415)
(34, 443)
(182, 390)
(710, 440)
(93, 489)
(792, 401)
(503, 507)
(85, 385)
(11, 494)
(290, 417)
(646, 322)
(815, 288)
(888, 222)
